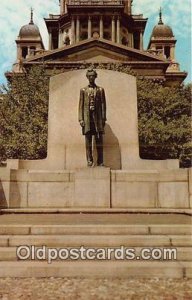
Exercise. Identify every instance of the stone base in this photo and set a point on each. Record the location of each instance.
(92, 187)
(152, 189)
(95, 188)
(131, 164)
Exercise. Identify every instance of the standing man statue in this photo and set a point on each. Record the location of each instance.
(92, 117)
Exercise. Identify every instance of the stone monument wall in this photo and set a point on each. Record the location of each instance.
(66, 149)
(65, 141)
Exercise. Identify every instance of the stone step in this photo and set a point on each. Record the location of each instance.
(96, 240)
(97, 269)
(95, 219)
(95, 229)
(60, 210)
(183, 253)
(8, 253)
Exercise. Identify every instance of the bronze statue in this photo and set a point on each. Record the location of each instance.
(92, 117)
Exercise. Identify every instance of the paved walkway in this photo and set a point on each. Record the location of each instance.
(90, 289)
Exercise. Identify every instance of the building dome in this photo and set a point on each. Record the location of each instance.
(161, 30)
(30, 30)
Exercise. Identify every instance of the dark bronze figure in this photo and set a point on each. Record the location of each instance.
(92, 117)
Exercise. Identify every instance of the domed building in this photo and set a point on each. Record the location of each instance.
(100, 32)
(162, 43)
(29, 41)
(162, 40)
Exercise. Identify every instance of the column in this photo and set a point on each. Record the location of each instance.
(130, 7)
(164, 52)
(141, 40)
(172, 52)
(65, 6)
(101, 27)
(129, 39)
(113, 29)
(61, 7)
(72, 31)
(50, 41)
(77, 29)
(19, 52)
(132, 40)
(28, 52)
(89, 27)
(118, 30)
(60, 38)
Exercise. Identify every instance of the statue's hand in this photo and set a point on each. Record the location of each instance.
(82, 123)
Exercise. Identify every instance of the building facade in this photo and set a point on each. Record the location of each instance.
(100, 31)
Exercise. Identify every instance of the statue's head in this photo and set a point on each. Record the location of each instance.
(91, 75)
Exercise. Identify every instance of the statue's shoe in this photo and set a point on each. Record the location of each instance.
(90, 163)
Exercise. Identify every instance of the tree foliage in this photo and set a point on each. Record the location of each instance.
(164, 121)
(24, 115)
(164, 117)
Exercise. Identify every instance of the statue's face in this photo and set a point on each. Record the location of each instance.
(91, 79)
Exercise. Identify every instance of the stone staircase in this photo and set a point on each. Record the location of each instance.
(97, 231)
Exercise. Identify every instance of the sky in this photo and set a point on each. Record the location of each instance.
(16, 13)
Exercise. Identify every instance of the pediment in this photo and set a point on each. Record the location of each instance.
(96, 50)
(101, 58)
(95, 53)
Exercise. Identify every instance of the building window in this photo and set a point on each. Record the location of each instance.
(24, 52)
(137, 40)
(107, 35)
(84, 35)
(167, 51)
(160, 50)
(55, 42)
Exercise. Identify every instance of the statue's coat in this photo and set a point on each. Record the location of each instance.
(100, 109)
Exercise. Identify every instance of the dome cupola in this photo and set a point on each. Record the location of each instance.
(162, 41)
(30, 30)
(161, 30)
(29, 41)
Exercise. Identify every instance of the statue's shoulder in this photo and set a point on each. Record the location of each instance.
(100, 88)
(83, 89)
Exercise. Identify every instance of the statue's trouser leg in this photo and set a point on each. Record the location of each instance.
(99, 145)
(88, 145)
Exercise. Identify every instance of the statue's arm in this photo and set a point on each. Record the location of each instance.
(81, 107)
(103, 99)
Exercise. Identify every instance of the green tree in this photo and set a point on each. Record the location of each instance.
(164, 121)
(24, 114)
